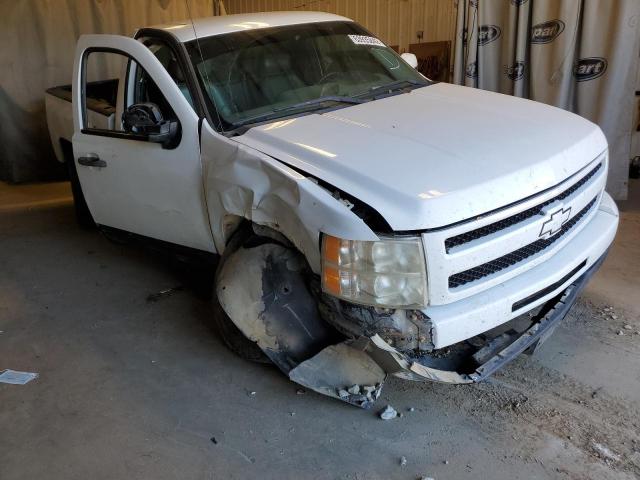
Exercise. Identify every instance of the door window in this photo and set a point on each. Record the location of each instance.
(167, 57)
(145, 90)
(105, 72)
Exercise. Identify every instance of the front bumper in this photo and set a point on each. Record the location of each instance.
(541, 330)
(552, 313)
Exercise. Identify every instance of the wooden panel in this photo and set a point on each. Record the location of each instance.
(433, 59)
(396, 22)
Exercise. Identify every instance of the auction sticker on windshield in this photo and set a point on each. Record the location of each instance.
(366, 40)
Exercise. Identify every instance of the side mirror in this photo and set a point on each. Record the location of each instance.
(411, 59)
(146, 119)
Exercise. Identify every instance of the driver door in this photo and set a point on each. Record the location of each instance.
(133, 178)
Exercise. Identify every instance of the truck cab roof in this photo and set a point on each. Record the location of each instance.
(210, 26)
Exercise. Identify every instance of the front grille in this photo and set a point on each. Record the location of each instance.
(516, 256)
(517, 218)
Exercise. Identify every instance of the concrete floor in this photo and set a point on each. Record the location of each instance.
(135, 389)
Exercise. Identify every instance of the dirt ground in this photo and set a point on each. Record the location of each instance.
(140, 387)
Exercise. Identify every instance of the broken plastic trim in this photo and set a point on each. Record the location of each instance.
(542, 330)
(261, 285)
(551, 315)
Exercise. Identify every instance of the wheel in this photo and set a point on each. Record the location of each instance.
(233, 338)
(83, 214)
(115, 236)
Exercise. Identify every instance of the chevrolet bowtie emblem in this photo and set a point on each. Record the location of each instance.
(554, 222)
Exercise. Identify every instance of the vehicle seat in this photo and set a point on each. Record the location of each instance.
(277, 77)
(260, 78)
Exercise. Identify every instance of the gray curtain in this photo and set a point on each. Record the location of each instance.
(580, 55)
(38, 39)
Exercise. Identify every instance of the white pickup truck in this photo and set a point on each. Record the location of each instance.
(367, 221)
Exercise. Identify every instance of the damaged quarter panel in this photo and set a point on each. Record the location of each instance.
(242, 183)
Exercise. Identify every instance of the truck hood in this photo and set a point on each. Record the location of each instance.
(436, 155)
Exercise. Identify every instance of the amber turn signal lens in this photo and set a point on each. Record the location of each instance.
(331, 249)
(331, 280)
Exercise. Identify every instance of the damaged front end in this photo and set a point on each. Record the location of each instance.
(346, 351)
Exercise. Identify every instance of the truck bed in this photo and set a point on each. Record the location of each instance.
(101, 108)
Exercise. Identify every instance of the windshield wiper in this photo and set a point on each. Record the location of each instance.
(316, 103)
(391, 87)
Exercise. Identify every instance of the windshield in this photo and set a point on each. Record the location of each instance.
(268, 73)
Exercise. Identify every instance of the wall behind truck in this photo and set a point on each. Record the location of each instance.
(396, 22)
(38, 39)
(579, 55)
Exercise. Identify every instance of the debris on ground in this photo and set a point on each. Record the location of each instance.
(388, 413)
(251, 393)
(372, 392)
(427, 478)
(403, 461)
(354, 390)
(605, 452)
(620, 332)
(154, 297)
(626, 327)
(17, 378)
(214, 440)
(301, 391)
(360, 395)
(411, 409)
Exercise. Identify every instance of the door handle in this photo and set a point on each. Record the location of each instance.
(92, 160)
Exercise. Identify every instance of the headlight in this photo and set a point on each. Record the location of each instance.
(386, 273)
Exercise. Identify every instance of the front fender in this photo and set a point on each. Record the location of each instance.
(241, 183)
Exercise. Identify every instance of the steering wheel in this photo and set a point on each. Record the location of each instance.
(327, 76)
